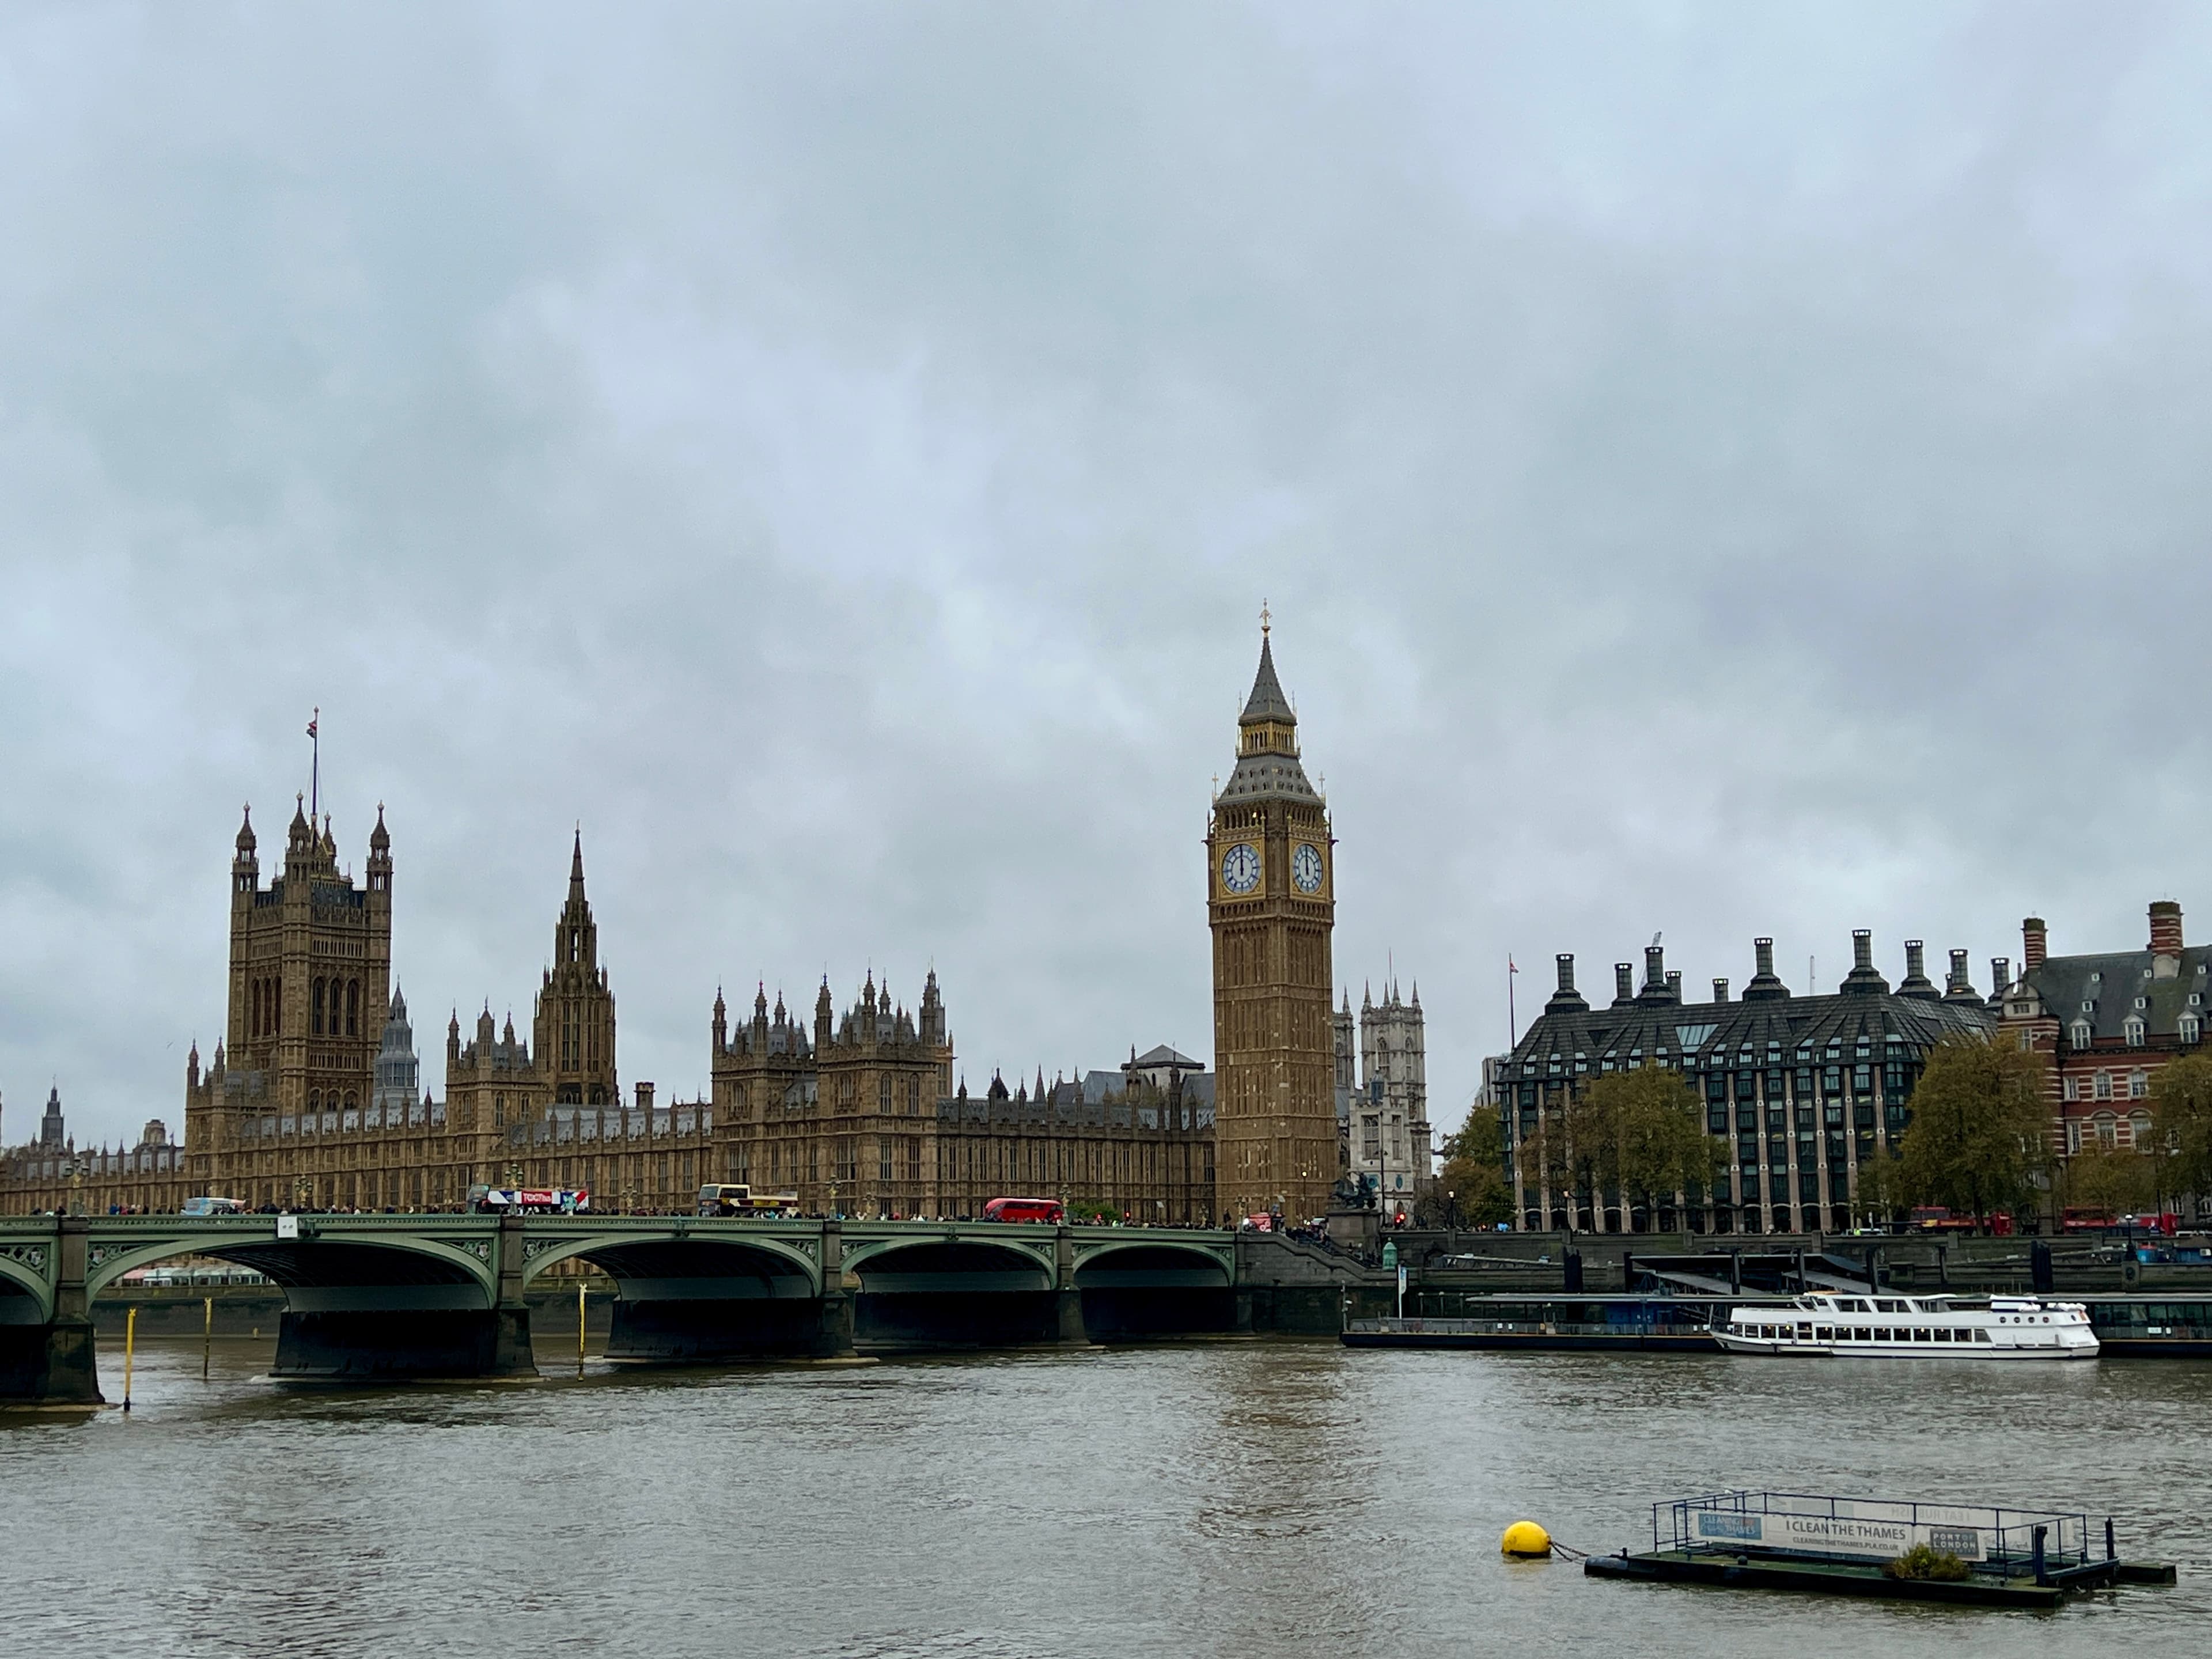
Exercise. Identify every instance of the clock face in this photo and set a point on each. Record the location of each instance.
(1240, 868)
(1305, 868)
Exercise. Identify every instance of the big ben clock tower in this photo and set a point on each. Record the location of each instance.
(1271, 882)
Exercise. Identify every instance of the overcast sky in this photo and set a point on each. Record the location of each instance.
(1716, 469)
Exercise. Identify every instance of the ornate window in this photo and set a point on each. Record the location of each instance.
(2104, 1086)
(2138, 1085)
(2080, 1034)
(2134, 1028)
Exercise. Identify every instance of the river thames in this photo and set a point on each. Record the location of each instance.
(1271, 1496)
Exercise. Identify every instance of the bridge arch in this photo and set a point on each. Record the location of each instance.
(687, 1264)
(1143, 1262)
(690, 1291)
(27, 1295)
(321, 1274)
(1137, 1288)
(951, 1261)
(954, 1290)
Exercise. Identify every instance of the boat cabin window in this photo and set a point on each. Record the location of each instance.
(1889, 1307)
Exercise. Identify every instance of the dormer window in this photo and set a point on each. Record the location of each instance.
(2081, 1034)
(2190, 1028)
(2134, 1028)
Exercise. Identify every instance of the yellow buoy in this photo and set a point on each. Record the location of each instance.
(1525, 1540)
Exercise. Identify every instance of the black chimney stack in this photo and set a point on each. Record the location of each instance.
(1764, 987)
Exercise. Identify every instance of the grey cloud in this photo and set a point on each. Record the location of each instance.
(1728, 471)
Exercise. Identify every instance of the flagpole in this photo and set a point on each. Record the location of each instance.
(1512, 1021)
(315, 771)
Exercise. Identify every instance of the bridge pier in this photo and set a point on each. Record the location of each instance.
(1066, 1298)
(839, 1314)
(55, 1361)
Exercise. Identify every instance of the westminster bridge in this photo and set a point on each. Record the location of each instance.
(371, 1296)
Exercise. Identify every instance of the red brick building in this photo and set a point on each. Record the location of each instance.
(2103, 1025)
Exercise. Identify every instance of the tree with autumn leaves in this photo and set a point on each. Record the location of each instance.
(1640, 1133)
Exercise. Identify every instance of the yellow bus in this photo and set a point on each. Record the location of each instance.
(728, 1198)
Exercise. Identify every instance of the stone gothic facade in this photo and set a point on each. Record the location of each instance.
(1382, 1095)
(314, 1096)
(1272, 904)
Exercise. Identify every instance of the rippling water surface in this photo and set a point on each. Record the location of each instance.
(1270, 1498)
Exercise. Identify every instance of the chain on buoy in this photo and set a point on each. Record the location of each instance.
(1524, 1541)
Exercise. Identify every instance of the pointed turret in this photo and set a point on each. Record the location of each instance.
(575, 935)
(299, 837)
(1267, 701)
(1267, 741)
(246, 863)
(380, 857)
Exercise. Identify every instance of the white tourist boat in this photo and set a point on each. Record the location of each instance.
(1824, 1326)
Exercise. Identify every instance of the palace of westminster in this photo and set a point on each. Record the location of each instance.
(314, 1098)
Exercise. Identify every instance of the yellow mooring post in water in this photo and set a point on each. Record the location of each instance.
(1525, 1540)
(207, 1336)
(579, 1328)
(130, 1343)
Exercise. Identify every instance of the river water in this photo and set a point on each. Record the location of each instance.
(1263, 1497)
